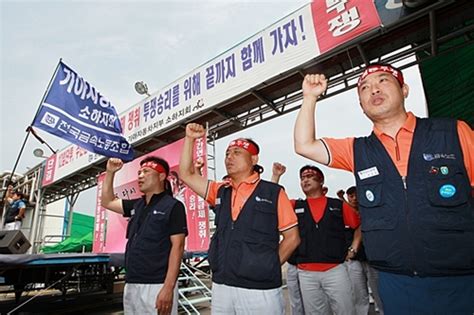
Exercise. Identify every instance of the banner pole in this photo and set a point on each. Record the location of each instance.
(28, 129)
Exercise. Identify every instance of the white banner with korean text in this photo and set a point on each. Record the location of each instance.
(285, 45)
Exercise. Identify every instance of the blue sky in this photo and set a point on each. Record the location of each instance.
(113, 44)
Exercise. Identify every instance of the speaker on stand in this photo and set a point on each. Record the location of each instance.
(13, 242)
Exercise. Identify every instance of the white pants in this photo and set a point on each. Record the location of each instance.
(360, 289)
(373, 278)
(294, 290)
(333, 286)
(228, 300)
(12, 226)
(141, 299)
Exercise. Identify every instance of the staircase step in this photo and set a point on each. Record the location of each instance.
(185, 278)
(191, 289)
(195, 301)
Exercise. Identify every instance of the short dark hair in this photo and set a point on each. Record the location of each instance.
(175, 174)
(314, 168)
(351, 190)
(19, 194)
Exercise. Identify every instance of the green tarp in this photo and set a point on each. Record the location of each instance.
(448, 80)
(81, 236)
(71, 245)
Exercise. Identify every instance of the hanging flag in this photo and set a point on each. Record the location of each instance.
(75, 111)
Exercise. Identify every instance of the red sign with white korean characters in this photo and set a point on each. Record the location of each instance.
(49, 168)
(98, 243)
(339, 21)
(197, 209)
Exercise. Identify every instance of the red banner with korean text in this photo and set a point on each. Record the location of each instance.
(49, 168)
(197, 209)
(339, 21)
(110, 237)
(98, 243)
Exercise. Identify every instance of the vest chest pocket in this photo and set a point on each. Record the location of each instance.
(265, 219)
(375, 214)
(255, 260)
(154, 225)
(445, 186)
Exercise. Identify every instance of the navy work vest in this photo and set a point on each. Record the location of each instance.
(244, 253)
(149, 244)
(322, 242)
(422, 224)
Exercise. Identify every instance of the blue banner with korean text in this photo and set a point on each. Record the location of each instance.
(75, 111)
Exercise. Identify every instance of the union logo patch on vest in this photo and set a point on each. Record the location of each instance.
(258, 199)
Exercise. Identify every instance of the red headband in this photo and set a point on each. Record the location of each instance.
(155, 166)
(310, 171)
(244, 144)
(378, 68)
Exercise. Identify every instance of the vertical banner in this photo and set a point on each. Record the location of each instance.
(98, 243)
(339, 21)
(197, 209)
(49, 169)
(110, 237)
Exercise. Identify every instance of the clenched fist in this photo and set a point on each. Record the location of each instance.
(314, 85)
(114, 165)
(195, 131)
(278, 169)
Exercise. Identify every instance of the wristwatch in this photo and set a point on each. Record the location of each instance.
(352, 250)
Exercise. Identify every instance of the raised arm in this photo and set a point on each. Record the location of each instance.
(306, 143)
(108, 199)
(9, 194)
(186, 167)
(278, 169)
(340, 194)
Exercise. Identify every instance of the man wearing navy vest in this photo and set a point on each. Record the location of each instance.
(245, 253)
(414, 182)
(323, 277)
(155, 233)
(361, 273)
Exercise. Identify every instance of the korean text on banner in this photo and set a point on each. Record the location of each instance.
(75, 111)
(339, 21)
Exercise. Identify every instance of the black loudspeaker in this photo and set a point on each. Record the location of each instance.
(13, 242)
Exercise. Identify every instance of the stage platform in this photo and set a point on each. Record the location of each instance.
(81, 272)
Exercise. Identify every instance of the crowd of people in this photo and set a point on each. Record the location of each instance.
(406, 231)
